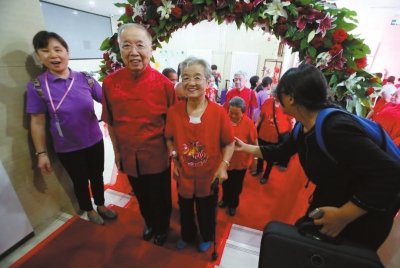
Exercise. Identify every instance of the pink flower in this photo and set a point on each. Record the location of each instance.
(306, 15)
(325, 24)
(337, 62)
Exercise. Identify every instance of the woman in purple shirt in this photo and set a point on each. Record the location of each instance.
(66, 98)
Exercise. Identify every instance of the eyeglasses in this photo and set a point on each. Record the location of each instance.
(137, 47)
(197, 79)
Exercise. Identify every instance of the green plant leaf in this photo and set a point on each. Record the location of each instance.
(119, 4)
(198, 2)
(105, 44)
(311, 36)
(312, 52)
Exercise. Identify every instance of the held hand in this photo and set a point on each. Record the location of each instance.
(239, 144)
(44, 164)
(332, 221)
(221, 173)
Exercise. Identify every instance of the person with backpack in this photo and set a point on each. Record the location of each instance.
(356, 189)
(66, 98)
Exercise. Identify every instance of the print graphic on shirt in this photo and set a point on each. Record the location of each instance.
(194, 154)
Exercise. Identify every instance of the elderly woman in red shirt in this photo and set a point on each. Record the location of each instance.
(245, 130)
(389, 117)
(201, 143)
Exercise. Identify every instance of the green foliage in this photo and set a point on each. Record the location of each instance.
(310, 45)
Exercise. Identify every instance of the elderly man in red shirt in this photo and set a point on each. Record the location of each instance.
(240, 90)
(135, 102)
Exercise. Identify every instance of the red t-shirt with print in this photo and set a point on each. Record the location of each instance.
(199, 146)
(246, 131)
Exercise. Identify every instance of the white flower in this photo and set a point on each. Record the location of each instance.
(323, 59)
(276, 10)
(352, 81)
(165, 9)
(138, 10)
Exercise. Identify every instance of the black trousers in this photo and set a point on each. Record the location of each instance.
(260, 162)
(83, 166)
(153, 193)
(206, 217)
(232, 187)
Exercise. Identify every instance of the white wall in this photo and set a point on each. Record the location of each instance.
(220, 41)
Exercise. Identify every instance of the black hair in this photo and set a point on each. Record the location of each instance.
(214, 67)
(266, 81)
(253, 81)
(167, 71)
(41, 40)
(307, 85)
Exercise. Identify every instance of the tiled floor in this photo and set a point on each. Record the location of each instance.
(40, 234)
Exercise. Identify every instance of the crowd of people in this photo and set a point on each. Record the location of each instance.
(170, 124)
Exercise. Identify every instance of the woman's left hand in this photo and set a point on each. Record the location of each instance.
(332, 222)
(221, 173)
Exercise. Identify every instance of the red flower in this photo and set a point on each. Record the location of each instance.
(156, 2)
(152, 22)
(106, 56)
(361, 63)
(188, 7)
(151, 31)
(128, 10)
(108, 64)
(317, 41)
(369, 91)
(229, 18)
(238, 9)
(176, 12)
(282, 20)
(350, 71)
(138, 19)
(247, 7)
(281, 29)
(335, 49)
(339, 35)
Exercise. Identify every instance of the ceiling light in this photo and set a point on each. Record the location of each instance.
(92, 3)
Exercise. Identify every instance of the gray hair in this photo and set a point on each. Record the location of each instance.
(238, 102)
(241, 73)
(136, 26)
(196, 61)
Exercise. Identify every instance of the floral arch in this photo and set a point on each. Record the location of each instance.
(316, 29)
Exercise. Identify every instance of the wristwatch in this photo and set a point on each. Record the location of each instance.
(173, 154)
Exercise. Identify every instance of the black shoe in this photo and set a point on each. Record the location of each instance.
(147, 233)
(159, 240)
(222, 204)
(263, 180)
(231, 211)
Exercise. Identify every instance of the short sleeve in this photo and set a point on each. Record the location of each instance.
(34, 103)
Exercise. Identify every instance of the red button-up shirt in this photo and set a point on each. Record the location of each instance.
(136, 109)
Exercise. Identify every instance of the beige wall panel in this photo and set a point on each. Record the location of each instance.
(41, 196)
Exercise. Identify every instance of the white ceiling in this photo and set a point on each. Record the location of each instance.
(107, 8)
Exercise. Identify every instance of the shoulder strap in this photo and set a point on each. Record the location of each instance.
(89, 79)
(38, 88)
(296, 130)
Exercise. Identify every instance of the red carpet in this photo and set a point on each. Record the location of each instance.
(119, 243)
